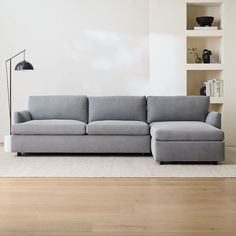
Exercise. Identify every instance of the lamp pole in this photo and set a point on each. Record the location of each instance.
(10, 98)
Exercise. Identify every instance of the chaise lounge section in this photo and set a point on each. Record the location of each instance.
(183, 130)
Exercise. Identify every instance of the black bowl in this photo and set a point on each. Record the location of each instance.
(205, 20)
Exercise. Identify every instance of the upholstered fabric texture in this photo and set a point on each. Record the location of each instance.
(177, 108)
(81, 143)
(22, 116)
(185, 131)
(181, 127)
(117, 108)
(188, 150)
(59, 107)
(117, 127)
(214, 118)
(44, 127)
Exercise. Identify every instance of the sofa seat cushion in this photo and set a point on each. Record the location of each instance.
(185, 131)
(117, 127)
(54, 127)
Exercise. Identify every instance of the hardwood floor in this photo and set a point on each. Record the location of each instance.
(117, 206)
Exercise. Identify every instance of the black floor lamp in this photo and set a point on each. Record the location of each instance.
(23, 65)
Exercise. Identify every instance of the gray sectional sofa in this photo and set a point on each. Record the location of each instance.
(177, 128)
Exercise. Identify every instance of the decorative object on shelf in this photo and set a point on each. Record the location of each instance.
(203, 91)
(23, 65)
(207, 56)
(194, 51)
(198, 60)
(205, 20)
(214, 88)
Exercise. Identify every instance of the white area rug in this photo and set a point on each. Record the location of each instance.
(107, 166)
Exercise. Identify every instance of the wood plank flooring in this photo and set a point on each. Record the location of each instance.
(117, 206)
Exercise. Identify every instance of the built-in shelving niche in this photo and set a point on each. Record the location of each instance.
(205, 38)
(204, 8)
(195, 81)
(211, 43)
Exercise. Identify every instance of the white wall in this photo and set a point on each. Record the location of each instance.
(229, 111)
(92, 47)
(167, 47)
(105, 47)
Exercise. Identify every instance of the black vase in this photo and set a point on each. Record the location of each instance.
(206, 56)
(203, 91)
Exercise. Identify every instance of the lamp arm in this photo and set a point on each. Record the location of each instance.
(23, 51)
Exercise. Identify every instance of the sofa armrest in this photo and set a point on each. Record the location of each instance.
(214, 119)
(21, 116)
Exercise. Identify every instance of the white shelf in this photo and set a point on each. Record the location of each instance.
(204, 33)
(204, 3)
(204, 66)
(216, 100)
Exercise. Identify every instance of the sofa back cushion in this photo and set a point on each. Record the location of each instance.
(177, 108)
(117, 108)
(59, 107)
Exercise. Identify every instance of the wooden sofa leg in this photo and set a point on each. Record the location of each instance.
(19, 154)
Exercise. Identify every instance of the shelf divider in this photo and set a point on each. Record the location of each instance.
(195, 66)
(204, 33)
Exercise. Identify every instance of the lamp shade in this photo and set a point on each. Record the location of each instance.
(24, 65)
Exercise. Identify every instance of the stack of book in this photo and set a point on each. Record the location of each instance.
(214, 88)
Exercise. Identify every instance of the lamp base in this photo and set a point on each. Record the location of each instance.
(7, 143)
